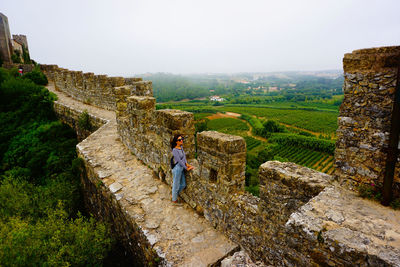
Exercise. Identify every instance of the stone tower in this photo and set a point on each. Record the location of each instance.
(20, 38)
(5, 39)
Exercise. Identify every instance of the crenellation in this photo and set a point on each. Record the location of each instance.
(222, 159)
(97, 90)
(117, 81)
(132, 80)
(302, 217)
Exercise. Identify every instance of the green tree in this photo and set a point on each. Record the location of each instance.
(16, 59)
(25, 55)
(40, 200)
(36, 76)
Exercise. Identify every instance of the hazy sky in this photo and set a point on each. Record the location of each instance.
(126, 37)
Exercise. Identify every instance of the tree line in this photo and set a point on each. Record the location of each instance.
(169, 87)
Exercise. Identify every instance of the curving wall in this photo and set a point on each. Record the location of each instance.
(96, 90)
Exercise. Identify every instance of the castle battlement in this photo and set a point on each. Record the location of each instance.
(302, 217)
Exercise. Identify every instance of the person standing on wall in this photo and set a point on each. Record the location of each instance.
(178, 171)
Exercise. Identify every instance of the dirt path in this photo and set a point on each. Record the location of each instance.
(249, 133)
(332, 135)
(224, 115)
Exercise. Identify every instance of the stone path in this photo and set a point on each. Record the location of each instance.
(356, 224)
(63, 98)
(177, 233)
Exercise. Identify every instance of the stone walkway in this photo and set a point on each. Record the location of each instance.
(177, 233)
(354, 223)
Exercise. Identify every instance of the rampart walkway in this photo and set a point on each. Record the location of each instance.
(176, 233)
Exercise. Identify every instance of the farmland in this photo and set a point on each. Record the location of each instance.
(316, 121)
(228, 125)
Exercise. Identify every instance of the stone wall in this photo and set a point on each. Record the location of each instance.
(71, 117)
(102, 203)
(301, 217)
(99, 199)
(6, 49)
(20, 38)
(25, 67)
(215, 188)
(365, 116)
(96, 90)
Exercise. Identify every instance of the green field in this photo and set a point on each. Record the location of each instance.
(306, 157)
(324, 122)
(200, 116)
(228, 125)
(251, 142)
(311, 119)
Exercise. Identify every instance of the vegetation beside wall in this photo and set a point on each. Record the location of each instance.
(41, 221)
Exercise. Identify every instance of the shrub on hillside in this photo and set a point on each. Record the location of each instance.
(15, 58)
(254, 122)
(36, 76)
(39, 184)
(272, 126)
(201, 125)
(54, 241)
(84, 121)
(42, 149)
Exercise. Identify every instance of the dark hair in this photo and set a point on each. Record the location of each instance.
(174, 140)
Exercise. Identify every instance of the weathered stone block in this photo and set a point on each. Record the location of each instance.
(221, 142)
(142, 103)
(132, 80)
(117, 81)
(175, 119)
(372, 59)
(299, 182)
(123, 91)
(140, 88)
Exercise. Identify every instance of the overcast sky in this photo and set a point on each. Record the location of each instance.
(127, 37)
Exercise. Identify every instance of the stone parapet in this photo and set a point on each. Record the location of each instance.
(96, 90)
(285, 187)
(365, 116)
(338, 228)
(372, 59)
(222, 159)
(169, 122)
(215, 188)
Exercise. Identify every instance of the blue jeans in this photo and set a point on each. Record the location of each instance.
(178, 181)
